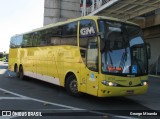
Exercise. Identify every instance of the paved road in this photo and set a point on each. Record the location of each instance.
(34, 95)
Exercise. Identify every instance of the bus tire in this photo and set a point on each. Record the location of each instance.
(72, 86)
(16, 71)
(21, 73)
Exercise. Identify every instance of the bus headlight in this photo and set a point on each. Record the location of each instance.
(108, 83)
(144, 83)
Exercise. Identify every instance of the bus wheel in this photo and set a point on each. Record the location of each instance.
(16, 71)
(21, 74)
(72, 86)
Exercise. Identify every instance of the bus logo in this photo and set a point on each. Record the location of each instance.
(130, 83)
(87, 31)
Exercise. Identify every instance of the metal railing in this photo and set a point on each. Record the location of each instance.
(94, 6)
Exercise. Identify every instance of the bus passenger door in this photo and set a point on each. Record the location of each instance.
(88, 43)
(92, 68)
(89, 69)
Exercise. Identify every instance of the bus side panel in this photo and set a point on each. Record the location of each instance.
(13, 58)
(53, 65)
(27, 60)
(40, 63)
(24, 58)
(70, 57)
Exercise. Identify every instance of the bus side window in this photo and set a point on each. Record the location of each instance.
(54, 36)
(16, 41)
(27, 40)
(89, 44)
(69, 34)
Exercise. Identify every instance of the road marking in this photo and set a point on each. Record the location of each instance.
(155, 76)
(6, 91)
(42, 101)
(60, 105)
(2, 71)
(12, 98)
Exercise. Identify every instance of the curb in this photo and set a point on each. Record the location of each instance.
(154, 76)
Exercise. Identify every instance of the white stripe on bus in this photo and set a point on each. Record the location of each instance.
(45, 78)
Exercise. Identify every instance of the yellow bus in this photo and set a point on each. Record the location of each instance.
(97, 55)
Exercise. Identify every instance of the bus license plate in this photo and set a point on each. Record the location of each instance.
(129, 92)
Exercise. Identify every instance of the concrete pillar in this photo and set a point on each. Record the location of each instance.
(60, 10)
(52, 11)
(70, 9)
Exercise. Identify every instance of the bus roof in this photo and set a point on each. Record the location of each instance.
(77, 19)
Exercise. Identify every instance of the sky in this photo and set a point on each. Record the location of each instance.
(19, 16)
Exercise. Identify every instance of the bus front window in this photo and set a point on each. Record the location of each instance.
(124, 51)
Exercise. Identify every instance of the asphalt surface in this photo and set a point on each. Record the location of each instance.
(53, 102)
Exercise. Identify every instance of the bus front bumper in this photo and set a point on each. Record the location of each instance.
(121, 91)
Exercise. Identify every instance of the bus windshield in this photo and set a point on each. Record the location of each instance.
(124, 51)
